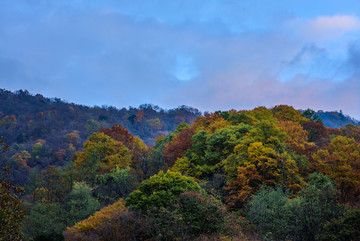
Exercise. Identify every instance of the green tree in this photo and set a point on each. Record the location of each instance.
(345, 228)
(266, 210)
(301, 218)
(80, 203)
(110, 187)
(44, 220)
(159, 190)
(310, 114)
(92, 126)
(315, 206)
(188, 216)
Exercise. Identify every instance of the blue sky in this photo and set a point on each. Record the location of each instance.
(214, 54)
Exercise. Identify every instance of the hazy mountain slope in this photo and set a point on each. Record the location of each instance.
(336, 119)
(42, 131)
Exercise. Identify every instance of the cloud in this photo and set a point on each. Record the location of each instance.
(330, 27)
(317, 63)
(173, 53)
(354, 56)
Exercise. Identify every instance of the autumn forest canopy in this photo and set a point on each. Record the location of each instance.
(71, 172)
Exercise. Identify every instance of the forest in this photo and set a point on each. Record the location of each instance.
(72, 172)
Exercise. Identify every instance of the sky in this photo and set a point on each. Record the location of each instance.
(211, 55)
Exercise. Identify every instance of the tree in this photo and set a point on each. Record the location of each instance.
(112, 186)
(302, 218)
(222, 142)
(134, 144)
(101, 154)
(343, 228)
(266, 210)
(261, 165)
(138, 150)
(20, 160)
(315, 206)
(114, 222)
(317, 133)
(188, 216)
(340, 161)
(45, 220)
(11, 214)
(55, 184)
(159, 190)
(297, 138)
(80, 203)
(310, 114)
(178, 146)
(92, 126)
(351, 131)
(288, 113)
(155, 124)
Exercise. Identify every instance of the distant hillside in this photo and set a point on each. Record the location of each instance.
(336, 119)
(48, 131)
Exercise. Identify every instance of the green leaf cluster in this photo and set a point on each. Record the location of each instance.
(159, 190)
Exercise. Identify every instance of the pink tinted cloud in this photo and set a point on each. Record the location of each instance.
(244, 91)
(330, 27)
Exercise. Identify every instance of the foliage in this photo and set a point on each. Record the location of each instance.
(114, 185)
(101, 155)
(11, 214)
(343, 228)
(288, 113)
(80, 203)
(340, 161)
(114, 222)
(310, 114)
(351, 131)
(55, 129)
(237, 156)
(159, 190)
(188, 216)
(317, 133)
(260, 159)
(178, 146)
(54, 185)
(300, 218)
(44, 220)
(156, 161)
(20, 160)
(134, 144)
(297, 138)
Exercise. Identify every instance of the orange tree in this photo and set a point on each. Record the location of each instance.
(341, 162)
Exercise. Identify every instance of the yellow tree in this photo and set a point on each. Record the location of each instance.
(263, 166)
(101, 155)
(288, 113)
(114, 222)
